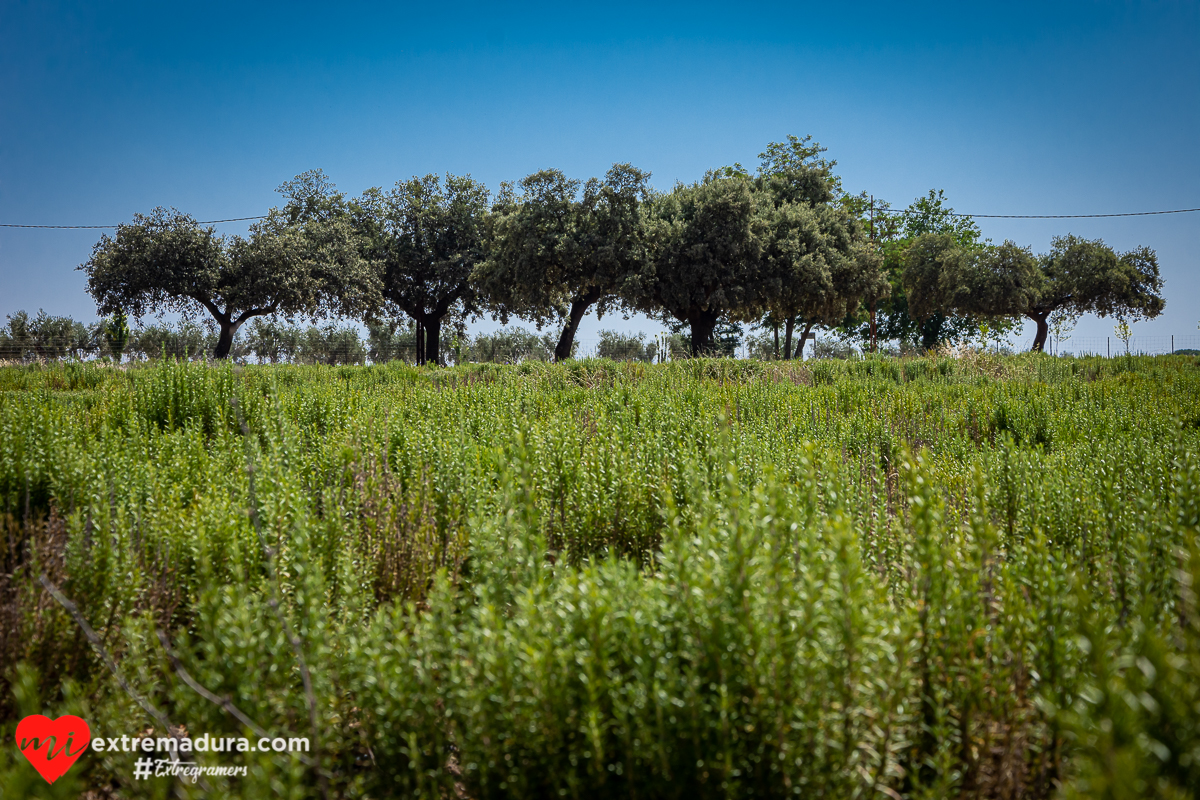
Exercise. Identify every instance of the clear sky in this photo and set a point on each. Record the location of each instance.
(1011, 108)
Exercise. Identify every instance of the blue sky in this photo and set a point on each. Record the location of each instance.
(108, 110)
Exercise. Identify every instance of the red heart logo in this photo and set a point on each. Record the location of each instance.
(50, 744)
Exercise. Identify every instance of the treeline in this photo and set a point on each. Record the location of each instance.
(48, 338)
(784, 249)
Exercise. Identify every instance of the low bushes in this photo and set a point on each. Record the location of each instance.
(708, 578)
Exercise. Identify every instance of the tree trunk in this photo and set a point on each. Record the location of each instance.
(1039, 339)
(776, 327)
(874, 329)
(789, 326)
(803, 338)
(579, 307)
(433, 328)
(702, 324)
(420, 359)
(225, 340)
(932, 331)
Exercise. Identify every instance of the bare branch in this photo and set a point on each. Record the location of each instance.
(224, 702)
(102, 651)
(256, 312)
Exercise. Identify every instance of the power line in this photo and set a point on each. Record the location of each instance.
(81, 227)
(1042, 216)
(880, 210)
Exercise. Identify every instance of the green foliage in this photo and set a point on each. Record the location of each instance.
(1135, 722)
(391, 341)
(826, 347)
(803, 174)
(421, 241)
(510, 346)
(116, 334)
(816, 262)
(1077, 276)
(930, 214)
(1089, 277)
(929, 577)
(927, 216)
(626, 347)
(703, 256)
(272, 341)
(1123, 331)
(298, 260)
(738, 247)
(44, 338)
(556, 251)
(331, 344)
(183, 340)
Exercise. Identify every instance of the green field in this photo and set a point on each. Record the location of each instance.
(877, 578)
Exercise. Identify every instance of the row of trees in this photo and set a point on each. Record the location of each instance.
(1077, 276)
(783, 247)
(47, 338)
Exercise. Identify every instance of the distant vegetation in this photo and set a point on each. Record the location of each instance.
(922, 578)
(268, 341)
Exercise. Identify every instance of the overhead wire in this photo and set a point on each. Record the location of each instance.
(82, 227)
(1039, 216)
(877, 210)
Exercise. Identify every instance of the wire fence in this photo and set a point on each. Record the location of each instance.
(1137, 345)
(346, 349)
(354, 352)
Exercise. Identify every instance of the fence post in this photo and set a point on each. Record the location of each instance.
(1172, 344)
(1108, 344)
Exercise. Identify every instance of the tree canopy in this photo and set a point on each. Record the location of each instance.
(1087, 276)
(816, 264)
(297, 261)
(784, 246)
(703, 254)
(556, 252)
(45, 337)
(1077, 276)
(422, 240)
(893, 233)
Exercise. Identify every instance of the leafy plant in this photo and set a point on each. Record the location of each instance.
(964, 574)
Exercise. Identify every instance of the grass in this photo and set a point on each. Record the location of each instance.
(919, 578)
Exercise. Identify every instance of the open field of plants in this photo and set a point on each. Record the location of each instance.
(921, 578)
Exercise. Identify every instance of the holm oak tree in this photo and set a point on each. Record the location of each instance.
(816, 263)
(556, 252)
(299, 260)
(422, 240)
(703, 254)
(1077, 276)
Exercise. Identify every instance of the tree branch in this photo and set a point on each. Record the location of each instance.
(224, 702)
(256, 312)
(212, 308)
(102, 651)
